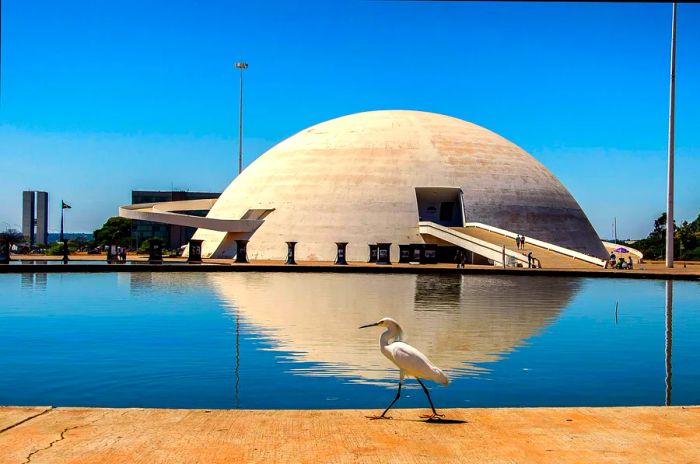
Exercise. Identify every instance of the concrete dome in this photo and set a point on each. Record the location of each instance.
(354, 179)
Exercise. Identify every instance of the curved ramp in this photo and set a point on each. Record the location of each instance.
(170, 212)
(496, 244)
(454, 235)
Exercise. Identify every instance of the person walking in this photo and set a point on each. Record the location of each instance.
(522, 242)
(517, 241)
(529, 260)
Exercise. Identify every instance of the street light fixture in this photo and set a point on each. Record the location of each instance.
(240, 65)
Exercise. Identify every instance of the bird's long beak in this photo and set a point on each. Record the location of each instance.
(368, 325)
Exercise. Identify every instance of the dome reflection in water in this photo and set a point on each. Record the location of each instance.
(290, 340)
(457, 321)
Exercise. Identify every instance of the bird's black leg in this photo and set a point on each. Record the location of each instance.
(398, 394)
(427, 393)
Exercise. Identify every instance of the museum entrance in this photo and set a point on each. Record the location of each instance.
(442, 205)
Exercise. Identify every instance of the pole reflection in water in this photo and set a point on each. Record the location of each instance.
(238, 360)
(669, 338)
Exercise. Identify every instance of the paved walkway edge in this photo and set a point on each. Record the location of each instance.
(355, 268)
(503, 435)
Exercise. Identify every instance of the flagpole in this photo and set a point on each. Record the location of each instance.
(63, 242)
(62, 220)
(670, 230)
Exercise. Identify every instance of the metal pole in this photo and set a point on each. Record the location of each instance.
(240, 128)
(62, 220)
(669, 200)
(241, 66)
(64, 246)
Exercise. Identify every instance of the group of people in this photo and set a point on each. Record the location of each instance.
(116, 254)
(461, 258)
(520, 242)
(618, 263)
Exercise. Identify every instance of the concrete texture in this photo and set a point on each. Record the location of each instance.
(548, 259)
(353, 179)
(542, 435)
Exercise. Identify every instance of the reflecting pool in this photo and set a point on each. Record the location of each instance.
(291, 340)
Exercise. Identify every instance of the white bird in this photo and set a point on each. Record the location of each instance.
(409, 360)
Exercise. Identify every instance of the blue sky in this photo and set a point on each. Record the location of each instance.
(99, 98)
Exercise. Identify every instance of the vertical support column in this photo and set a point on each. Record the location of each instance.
(372, 253)
(290, 253)
(155, 252)
(404, 253)
(195, 254)
(241, 251)
(430, 253)
(417, 253)
(384, 253)
(340, 255)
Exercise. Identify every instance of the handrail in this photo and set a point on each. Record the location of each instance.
(547, 246)
(498, 250)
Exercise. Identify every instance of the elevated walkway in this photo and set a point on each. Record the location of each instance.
(499, 245)
(170, 212)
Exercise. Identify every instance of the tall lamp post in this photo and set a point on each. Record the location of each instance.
(240, 65)
(670, 230)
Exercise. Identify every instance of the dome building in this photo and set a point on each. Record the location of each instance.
(380, 177)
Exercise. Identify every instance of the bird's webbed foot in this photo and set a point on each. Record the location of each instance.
(378, 417)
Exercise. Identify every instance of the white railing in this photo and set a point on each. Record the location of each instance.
(476, 245)
(547, 246)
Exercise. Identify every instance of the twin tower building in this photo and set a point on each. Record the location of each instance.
(35, 216)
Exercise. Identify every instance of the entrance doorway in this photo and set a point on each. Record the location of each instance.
(442, 205)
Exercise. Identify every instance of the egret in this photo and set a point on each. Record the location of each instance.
(409, 360)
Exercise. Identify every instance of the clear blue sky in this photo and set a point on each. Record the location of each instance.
(128, 95)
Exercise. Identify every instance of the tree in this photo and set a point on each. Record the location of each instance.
(12, 236)
(116, 229)
(146, 244)
(686, 243)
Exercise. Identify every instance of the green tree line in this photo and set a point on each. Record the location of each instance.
(686, 240)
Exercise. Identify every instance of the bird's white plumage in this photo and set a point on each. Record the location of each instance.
(413, 362)
(407, 358)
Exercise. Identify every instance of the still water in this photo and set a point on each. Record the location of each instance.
(288, 340)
